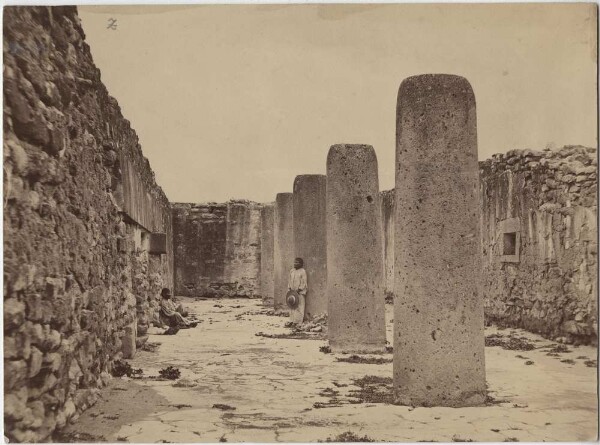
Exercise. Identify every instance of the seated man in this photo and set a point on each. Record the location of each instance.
(169, 314)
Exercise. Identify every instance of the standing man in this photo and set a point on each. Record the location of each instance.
(298, 284)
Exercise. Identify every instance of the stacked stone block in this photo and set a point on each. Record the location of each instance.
(68, 296)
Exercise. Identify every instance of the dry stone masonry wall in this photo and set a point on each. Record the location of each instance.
(217, 249)
(539, 241)
(86, 228)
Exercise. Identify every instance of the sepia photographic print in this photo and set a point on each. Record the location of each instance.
(300, 223)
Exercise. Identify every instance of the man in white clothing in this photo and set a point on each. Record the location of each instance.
(298, 284)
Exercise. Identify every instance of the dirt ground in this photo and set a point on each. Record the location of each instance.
(236, 386)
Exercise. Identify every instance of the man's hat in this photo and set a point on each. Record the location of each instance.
(292, 299)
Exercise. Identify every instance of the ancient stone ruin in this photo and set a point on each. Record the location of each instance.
(310, 238)
(354, 251)
(267, 284)
(283, 250)
(438, 311)
(217, 248)
(90, 238)
(539, 241)
(87, 231)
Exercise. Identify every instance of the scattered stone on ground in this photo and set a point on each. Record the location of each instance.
(373, 389)
(151, 346)
(510, 342)
(223, 407)
(349, 436)
(170, 373)
(365, 360)
(121, 368)
(557, 349)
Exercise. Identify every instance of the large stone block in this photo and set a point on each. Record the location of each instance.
(310, 238)
(266, 253)
(283, 248)
(356, 317)
(438, 310)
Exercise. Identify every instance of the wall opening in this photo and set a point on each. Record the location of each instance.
(509, 243)
(508, 240)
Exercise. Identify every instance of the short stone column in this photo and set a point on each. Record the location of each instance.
(267, 217)
(356, 314)
(283, 247)
(438, 308)
(128, 346)
(310, 239)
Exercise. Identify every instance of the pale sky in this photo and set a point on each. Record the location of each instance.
(234, 101)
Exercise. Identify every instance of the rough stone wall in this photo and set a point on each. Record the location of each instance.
(539, 240)
(217, 248)
(74, 260)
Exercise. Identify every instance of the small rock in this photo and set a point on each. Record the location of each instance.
(35, 362)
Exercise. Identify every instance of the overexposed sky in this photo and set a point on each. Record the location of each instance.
(234, 101)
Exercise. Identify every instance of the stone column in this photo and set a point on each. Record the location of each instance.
(310, 239)
(356, 315)
(128, 346)
(267, 217)
(283, 247)
(438, 310)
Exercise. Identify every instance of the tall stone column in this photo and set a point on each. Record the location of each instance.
(310, 239)
(267, 282)
(438, 309)
(283, 248)
(356, 315)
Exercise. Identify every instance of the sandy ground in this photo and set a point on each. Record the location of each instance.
(286, 390)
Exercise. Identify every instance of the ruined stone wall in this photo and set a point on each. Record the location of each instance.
(217, 248)
(539, 241)
(80, 209)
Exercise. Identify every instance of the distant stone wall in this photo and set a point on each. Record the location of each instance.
(86, 228)
(217, 249)
(539, 241)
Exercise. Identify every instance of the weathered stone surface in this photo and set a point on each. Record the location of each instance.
(75, 179)
(310, 239)
(387, 219)
(549, 287)
(266, 254)
(217, 248)
(438, 309)
(356, 314)
(128, 347)
(283, 247)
